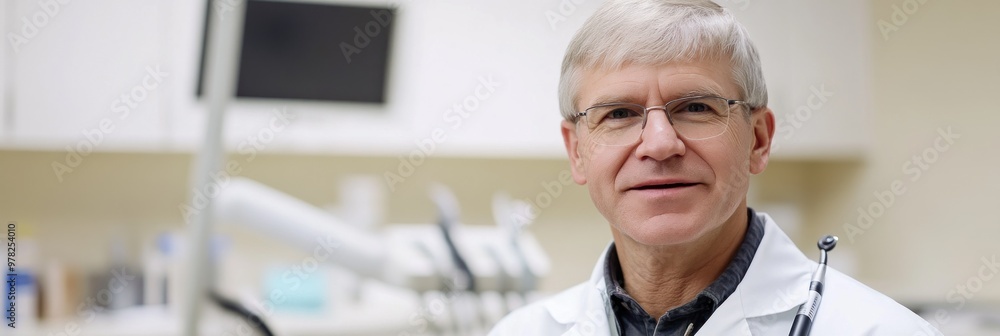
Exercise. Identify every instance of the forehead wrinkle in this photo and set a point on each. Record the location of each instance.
(627, 90)
(700, 78)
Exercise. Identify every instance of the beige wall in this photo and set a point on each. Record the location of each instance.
(939, 70)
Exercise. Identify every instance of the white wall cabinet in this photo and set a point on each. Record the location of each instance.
(817, 62)
(70, 76)
(78, 63)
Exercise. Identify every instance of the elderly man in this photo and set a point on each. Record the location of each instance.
(666, 117)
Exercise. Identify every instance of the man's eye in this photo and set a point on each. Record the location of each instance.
(621, 113)
(697, 107)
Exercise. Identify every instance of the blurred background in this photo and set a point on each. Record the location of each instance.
(886, 137)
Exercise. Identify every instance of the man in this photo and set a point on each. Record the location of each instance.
(666, 117)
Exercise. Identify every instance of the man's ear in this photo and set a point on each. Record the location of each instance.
(762, 122)
(572, 142)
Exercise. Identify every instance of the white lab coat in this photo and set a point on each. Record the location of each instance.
(764, 303)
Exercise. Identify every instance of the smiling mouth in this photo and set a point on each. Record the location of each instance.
(664, 186)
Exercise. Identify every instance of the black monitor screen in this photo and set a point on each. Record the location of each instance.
(311, 51)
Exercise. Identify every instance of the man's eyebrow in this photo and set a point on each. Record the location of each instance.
(617, 99)
(699, 92)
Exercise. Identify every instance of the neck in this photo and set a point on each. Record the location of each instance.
(661, 278)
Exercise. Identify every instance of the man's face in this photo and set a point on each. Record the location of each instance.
(665, 189)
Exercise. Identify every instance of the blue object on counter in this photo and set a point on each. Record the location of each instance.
(293, 289)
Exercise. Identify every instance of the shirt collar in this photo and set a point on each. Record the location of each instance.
(716, 292)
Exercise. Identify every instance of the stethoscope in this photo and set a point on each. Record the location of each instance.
(802, 324)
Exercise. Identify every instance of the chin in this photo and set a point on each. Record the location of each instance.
(666, 229)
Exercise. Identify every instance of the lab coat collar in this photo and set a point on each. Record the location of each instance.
(776, 282)
(778, 278)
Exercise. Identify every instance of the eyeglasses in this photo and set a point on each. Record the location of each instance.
(693, 118)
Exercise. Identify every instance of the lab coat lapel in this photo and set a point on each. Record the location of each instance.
(593, 317)
(776, 282)
(589, 313)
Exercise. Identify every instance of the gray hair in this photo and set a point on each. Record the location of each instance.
(656, 32)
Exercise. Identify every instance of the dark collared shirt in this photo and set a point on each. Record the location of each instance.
(633, 320)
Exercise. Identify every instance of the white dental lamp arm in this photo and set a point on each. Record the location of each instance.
(413, 256)
(253, 205)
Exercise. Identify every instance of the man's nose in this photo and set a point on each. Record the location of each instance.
(659, 140)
